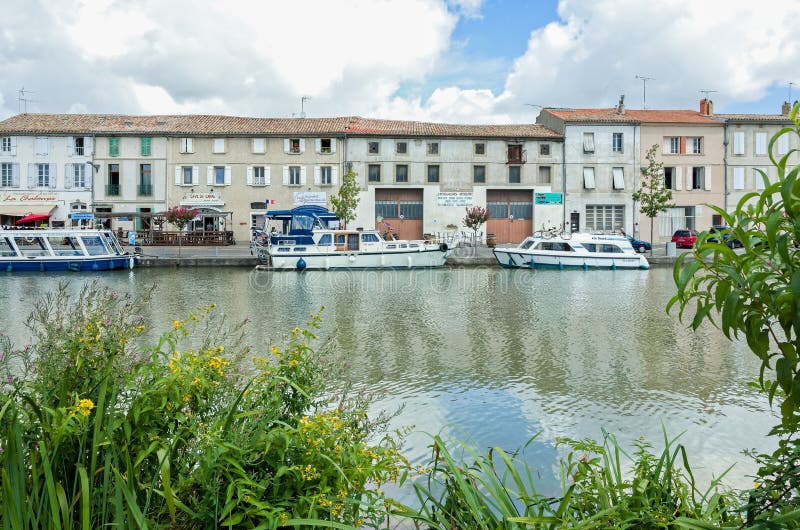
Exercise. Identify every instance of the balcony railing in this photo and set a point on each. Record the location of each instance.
(145, 190)
(517, 157)
(112, 190)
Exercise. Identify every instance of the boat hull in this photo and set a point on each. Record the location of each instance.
(74, 265)
(385, 260)
(512, 258)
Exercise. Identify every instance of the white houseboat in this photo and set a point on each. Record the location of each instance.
(585, 251)
(62, 250)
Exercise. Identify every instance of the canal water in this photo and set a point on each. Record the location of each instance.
(490, 356)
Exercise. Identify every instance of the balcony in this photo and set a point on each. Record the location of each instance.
(517, 156)
(112, 190)
(145, 190)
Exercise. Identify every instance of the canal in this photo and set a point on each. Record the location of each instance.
(490, 356)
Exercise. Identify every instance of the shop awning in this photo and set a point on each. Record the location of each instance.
(33, 219)
(21, 210)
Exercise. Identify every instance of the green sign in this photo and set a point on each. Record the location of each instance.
(548, 198)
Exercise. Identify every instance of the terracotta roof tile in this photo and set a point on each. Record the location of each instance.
(369, 127)
(631, 116)
(591, 115)
(771, 118)
(673, 116)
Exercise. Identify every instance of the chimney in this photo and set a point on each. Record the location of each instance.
(786, 108)
(704, 107)
(621, 105)
(710, 107)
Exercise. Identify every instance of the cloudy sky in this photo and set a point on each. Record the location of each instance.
(461, 61)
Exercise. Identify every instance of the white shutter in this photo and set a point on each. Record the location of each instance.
(619, 178)
(31, 175)
(249, 178)
(69, 173)
(14, 145)
(227, 175)
(318, 145)
(41, 146)
(15, 175)
(689, 182)
(89, 176)
(588, 142)
(678, 178)
(317, 179)
(286, 145)
(267, 179)
(178, 176)
(70, 146)
(588, 178)
(285, 175)
(783, 144)
(210, 175)
(195, 175)
(334, 174)
(333, 145)
(738, 142)
(53, 175)
(707, 177)
(302, 145)
(302, 175)
(88, 146)
(759, 184)
(761, 143)
(738, 178)
(190, 145)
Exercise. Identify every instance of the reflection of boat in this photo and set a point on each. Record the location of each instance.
(310, 239)
(577, 250)
(61, 250)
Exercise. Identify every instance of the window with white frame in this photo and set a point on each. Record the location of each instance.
(42, 175)
(325, 146)
(697, 145)
(588, 142)
(259, 146)
(295, 146)
(698, 178)
(401, 148)
(219, 176)
(761, 143)
(41, 145)
(259, 176)
(187, 145)
(669, 178)
(6, 175)
(294, 175)
(588, 178)
(433, 148)
(758, 173)
(674, 145)
(738, 178)
(545, 175)
(186, 171)
(783, 144)
(78, 146)
(616, 142)
(618, 178)
(5, 145)
(219, 145)
(78, 175)
(605, 217)
(326, 175)
(738, 142)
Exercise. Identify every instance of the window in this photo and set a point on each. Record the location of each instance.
(374, 173)
(433, 148)
(738, 142)
(433, 173)
(697, 145)
(78, 146)
(738, 178)
(544, 175)
(674, 145)
(480, 148)
(588, 142)
(588, 178)
(669, 178)
(514, 154)
(479, 174)
(78, 175)
(616, 142)
(761, 143)
(373, 148)
(783, 144)
(294, 175)
(259, 145)
(411, 209)
(42, 175)
(219, 176)
(401, 173)
(325, 146)
(113, 186)
(42, 145)
(698, 178)
(386, 209)
(187, 145)
(618, 178)
(605, 217)
(514, 174)
(113, 146)
(759, 178)
(145, 180)
(326, 175)
(294, 146)
(259, 176)
(187, 175)
(144, 144)
(219, 146)
(401, 148)
(6, 175)
(544, 149)
(5, 144)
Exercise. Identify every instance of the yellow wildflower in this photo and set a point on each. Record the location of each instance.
(284, 518)
(220, 348)
(275, 350)
(85, 406)
(293, 363)
(176, 324)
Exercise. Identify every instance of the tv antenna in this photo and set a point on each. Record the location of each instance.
(706, 93)
(302, 105)
(644, 80)
(22, 101)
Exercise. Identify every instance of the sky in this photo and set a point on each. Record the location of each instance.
(456, 61)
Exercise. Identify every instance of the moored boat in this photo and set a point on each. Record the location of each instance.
(62, 250)
(585, 251)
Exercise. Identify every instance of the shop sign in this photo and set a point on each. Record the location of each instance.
(202, 199)
(548, 198)
(81, 216)
(16, 197)
(310, 198)
(454, 198)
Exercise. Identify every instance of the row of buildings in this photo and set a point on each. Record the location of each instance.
(578, 167)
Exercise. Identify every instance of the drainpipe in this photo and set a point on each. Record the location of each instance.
(564, 181)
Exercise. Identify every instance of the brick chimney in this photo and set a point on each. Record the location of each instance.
(621, 105)
(786, 108)
(704, 107)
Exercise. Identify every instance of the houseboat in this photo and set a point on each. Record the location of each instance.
(585, 251)
(310, 239)
(62, 250)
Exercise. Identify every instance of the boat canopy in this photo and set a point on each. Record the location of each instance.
(303, 219)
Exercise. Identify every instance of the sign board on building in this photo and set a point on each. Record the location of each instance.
(454, 198)
(31, 197)
(310, 198)
(548, 198)
(81, 216)
(202, 199)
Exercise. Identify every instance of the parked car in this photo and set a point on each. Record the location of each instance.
(727, 238)
(684, 238)
(639, 246)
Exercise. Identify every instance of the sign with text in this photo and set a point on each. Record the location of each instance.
(454, 198)
(81, 216)
(31, 197)
(548, 198)
(310, 198)
(202, 199)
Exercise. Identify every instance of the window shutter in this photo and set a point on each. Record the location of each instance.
(783, 144)
(678, 178)
(707, 177)
(15, 175)
(286, 145)
(70, 146)
(761, 143)
(318, 145)
(195, 175)
(178, 176)
(759, 178)
(302, 145)
(267, 179)
(41, 146)
(227, 175)
(190, 145)
(317, 179)
(738, 178)
(210, 175)
(249, 178)
(52, 176)
(14, 145)
(31, 175)
(689, 174)
(69, 175)
(619, 178)
(333, 145)
(334, 173)
(88, 146)
(89, 176)
(302, 174)
(286, 175)
(738, 143)
(588, 178)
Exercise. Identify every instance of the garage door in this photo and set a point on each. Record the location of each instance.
(511, 214)
(402, 209)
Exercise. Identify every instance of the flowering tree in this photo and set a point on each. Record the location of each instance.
(475, 218)
(180, 217)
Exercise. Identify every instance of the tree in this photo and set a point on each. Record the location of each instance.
(652, 195)
(180, 217)
(345, 202)
(475, 218)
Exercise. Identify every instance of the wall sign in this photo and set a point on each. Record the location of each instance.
(310, 198)
(202, 199)
(548, 198)
(454, 198)
(16, 197)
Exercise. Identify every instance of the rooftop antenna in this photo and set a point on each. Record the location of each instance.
(706, 93)
(302, 105)
(22, 101)
(644, 80)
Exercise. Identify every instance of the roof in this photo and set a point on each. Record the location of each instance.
(632, 116)
(673, 116)
(591, 115)
(198, 124)
(756, 118)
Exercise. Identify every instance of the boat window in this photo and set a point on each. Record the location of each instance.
(591, 247)
(299, 249)
(65, 246)
(352, 241)
(284, 249)
(94, 245)
(5, 248)
(326, 239)
(369, 238)
(391, 246)
(31, 246)
(404, 245)
(526, 244)
(413, 245)
(612, 249)
(302, 222)
(556, 246)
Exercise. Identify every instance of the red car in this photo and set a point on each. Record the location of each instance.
(685, 238)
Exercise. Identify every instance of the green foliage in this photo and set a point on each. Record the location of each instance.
(476, 217)
(652, 196)
(345, 202)
(99, 430)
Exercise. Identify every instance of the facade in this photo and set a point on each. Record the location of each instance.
(419, 178)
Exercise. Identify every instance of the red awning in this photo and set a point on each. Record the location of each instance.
(33, 218)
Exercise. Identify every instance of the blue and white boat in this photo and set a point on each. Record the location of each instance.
(62, 250)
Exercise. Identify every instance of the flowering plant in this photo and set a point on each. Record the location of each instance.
(475, 217)
(180, 216)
